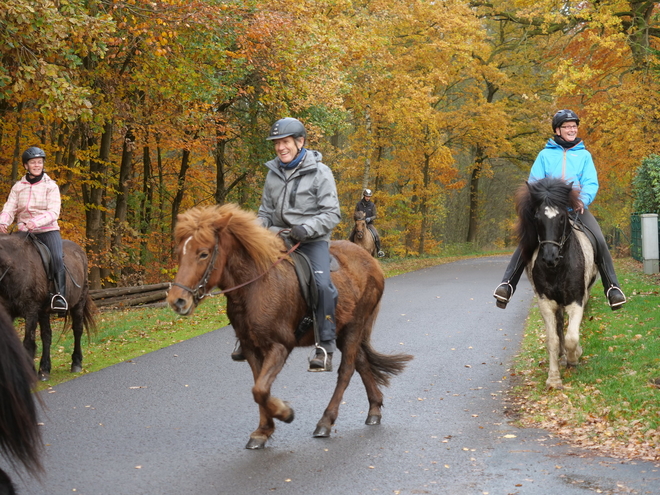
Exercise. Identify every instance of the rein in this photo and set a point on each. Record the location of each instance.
(199, 292)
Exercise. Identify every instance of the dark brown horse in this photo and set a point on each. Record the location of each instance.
(223, 246)
(361, 235)
(20, 437)
(25, 292)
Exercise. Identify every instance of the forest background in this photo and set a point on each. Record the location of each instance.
(148, 108)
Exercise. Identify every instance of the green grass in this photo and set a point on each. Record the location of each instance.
(613, 393)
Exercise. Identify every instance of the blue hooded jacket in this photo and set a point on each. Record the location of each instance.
(573, 165)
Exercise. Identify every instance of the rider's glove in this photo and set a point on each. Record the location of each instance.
(369, 219)
(299, 233)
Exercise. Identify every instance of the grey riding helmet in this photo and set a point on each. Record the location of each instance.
(33, 152)
(287, 127)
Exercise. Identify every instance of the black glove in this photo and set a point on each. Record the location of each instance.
(298, 233)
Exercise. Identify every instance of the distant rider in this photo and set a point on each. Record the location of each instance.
(368, 207)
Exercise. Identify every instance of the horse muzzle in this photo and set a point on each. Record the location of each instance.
(182, 304)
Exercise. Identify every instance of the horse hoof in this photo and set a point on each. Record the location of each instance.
(289, 418)
(256, 443)
(76, 369)
(43, 376)
(372, 419)
(321, 431)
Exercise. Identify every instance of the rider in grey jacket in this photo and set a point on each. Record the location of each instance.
(300, 194)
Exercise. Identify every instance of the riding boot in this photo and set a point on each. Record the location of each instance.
(379, 251)
(322, 360)
(615, 296)
(512, 274)
(58, 302)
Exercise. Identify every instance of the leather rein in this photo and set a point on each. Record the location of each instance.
(199, 292)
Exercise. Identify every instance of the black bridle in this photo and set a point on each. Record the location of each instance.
(199, 292)
(564, 236)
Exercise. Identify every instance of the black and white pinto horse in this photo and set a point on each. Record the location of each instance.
(560, 265)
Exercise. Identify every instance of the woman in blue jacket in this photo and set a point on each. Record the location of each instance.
(565, 156)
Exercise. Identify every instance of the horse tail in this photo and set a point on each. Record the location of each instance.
(20, 437)
(89, 315)
(384, 366)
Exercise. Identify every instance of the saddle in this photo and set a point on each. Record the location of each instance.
(581, 227)
(44, 252)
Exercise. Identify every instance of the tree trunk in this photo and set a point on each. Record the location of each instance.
(94, 195)
(121, 200)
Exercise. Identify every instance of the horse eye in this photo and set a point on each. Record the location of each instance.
(203, 256)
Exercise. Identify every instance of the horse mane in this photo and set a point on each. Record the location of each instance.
(358, 215)
(205, 223)
(530, 196)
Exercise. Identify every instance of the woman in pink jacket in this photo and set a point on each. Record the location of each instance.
(34, 202)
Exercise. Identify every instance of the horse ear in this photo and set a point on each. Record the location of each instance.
(222, 222)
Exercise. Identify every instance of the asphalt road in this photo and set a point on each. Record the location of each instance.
(176, 421)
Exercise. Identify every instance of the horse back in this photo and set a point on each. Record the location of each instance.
(359, 272)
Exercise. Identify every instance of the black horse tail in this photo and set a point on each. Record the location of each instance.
(20, 437)
(384, 366)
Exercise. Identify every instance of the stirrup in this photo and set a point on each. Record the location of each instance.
(59, 304)
(501, 302)
(381, 254)
(325, 360)
(617, 305)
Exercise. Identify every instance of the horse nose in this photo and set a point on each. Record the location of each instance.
(180, 306)
(551, 256)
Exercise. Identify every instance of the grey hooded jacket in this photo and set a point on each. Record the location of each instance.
(308, 198)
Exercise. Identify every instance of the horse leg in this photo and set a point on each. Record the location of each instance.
(46, 341)
(573, 349)
(270, 407)
(552, 342)
(374, 393)
(344, 374)
(77, 318)
(30, 338)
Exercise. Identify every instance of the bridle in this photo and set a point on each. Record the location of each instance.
(199, 292)
(564, 235)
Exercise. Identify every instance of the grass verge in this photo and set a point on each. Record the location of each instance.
(610, 403)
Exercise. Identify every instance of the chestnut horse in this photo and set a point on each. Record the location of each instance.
(225, 247)
(361, 234)
(25, 292)
(20, 437)
(560, 265)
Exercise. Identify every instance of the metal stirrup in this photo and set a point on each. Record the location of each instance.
(500, 298)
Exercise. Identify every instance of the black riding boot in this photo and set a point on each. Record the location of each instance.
(379, 251)
(512, 274)
(58, 302)
(615, 296)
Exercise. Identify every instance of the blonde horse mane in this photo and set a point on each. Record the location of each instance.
(203, 223)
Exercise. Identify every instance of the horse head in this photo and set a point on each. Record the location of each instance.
(360, 224)
(543, 209)
(206, 238)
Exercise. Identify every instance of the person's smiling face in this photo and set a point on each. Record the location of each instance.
(568, 131)
(35, 166)
(287, 148)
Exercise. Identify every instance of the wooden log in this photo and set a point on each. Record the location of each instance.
(123, 291)
(135, 300)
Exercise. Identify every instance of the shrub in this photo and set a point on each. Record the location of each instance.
(646, 186)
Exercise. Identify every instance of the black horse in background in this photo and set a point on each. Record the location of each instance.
(25, 291)
(20, 438)
(560, 265)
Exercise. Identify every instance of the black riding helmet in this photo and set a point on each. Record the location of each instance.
(33, 152)
(564, 116)
(287, 127)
